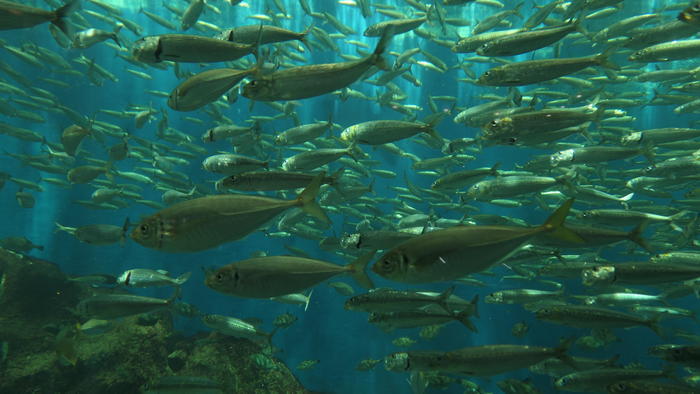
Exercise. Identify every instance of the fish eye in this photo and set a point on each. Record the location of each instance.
(253, 83)
(219, 276)
(619, 386)
(487, 73)
(511, 141)
(144, 229)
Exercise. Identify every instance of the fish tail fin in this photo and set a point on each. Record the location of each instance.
(115, 37)
(653, 325)
(562, 352)
(612, 360)
(308, 299)
(359, 272)
(463, 317)
(516, 10)
(603, 58)
(307, 199)
(636, 236)
(125, 229)
(176, 295)
(377, 57)
(443, 297)
(303, 37)
(183, 278)
(59, 227)
(335, 177)
(555, 224)
(494, 169)
(62, 14)
(475, 305)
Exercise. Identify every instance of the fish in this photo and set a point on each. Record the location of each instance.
(314, 80)
(440, 255)
(307, 364)
(638, 273)
(144, 277)
(205, 87)
(533, 71)
(230, 164)
(597, 380)
(688, 355)
(238, 328)
(690, 14)
(303, 133)
(389, 321)
(18, 16)
(191, 14)
(582, 316)
(475, 361)
(378, 132)
(390, 300)
(89, 37)
(266, 34)
(97, 234)
(19, 244)
(274, 276)
(113, 306)
(527, 41)
(274, 180)
(206, 222)
(667, 51)
(185, 48)
(399, 26)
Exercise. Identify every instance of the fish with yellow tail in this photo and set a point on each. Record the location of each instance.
(451, 253)
(206, 222)
(691, 14)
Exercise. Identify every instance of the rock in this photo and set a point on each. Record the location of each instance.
(37, 320)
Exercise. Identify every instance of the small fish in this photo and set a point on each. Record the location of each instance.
(307, 364)
(113, 306)
(533, 71)
(274, 276)
(143, 277)
(87, 38)
(238, 328)
(403, 342)
(475, 361)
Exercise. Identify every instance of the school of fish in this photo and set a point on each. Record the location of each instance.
(539, 108)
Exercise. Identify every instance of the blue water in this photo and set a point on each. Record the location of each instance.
(338, 338)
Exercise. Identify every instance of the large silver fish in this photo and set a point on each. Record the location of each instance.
(206, 222)
(448, 254)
